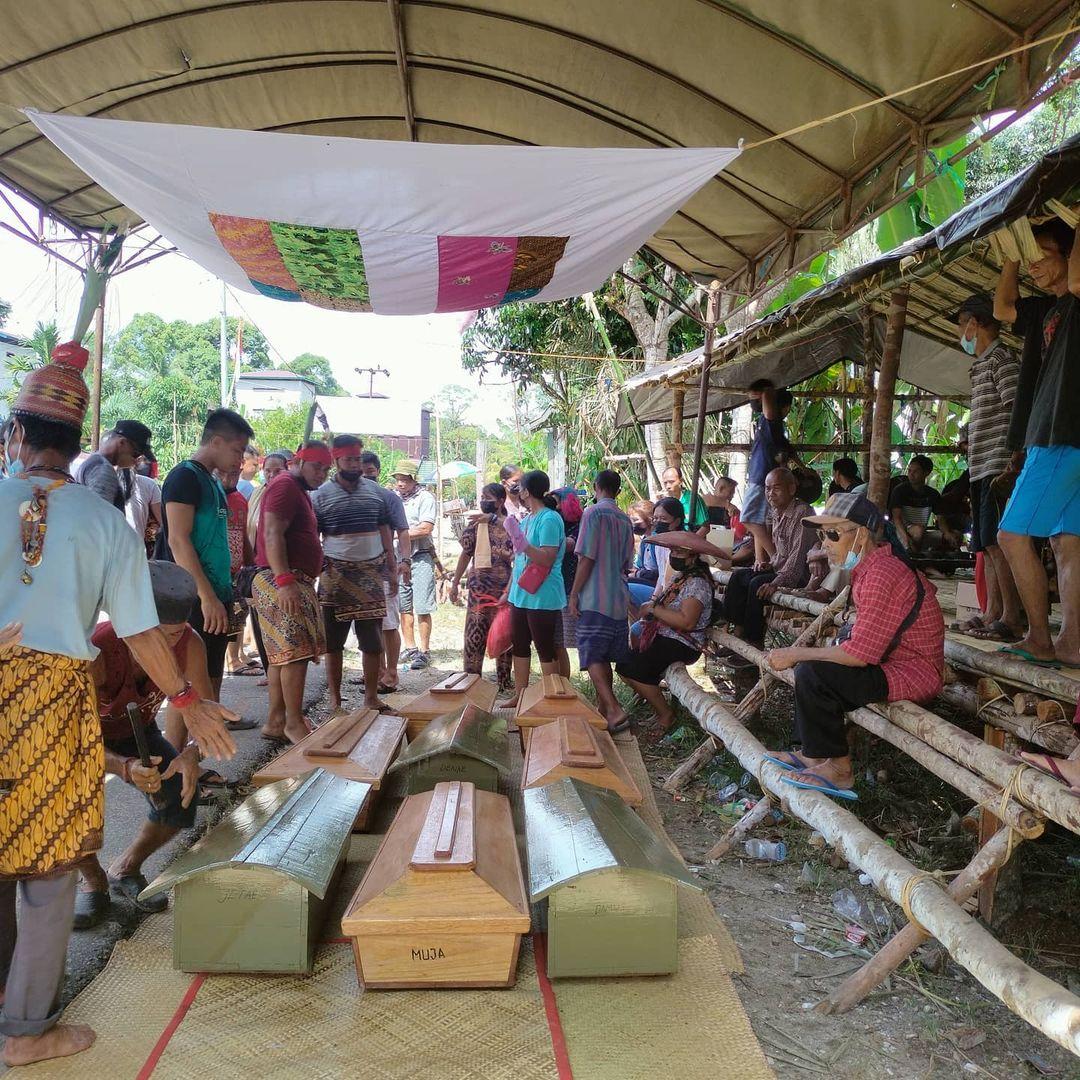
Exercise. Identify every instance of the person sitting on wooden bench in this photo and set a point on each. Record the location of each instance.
(171, 783)
(894, 650)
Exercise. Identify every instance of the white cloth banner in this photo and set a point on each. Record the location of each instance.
(392, 227)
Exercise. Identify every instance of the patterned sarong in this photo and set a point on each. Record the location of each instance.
(353, 590)
(288, 638)
(52, 764)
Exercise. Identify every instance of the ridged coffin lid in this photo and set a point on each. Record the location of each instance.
(469, 731)
(458, 683)
(447, 839)
(573, 829)
(296, 827)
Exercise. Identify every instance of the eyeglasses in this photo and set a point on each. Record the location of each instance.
(832, 534)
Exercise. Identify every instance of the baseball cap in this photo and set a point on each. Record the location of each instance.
(407, 467)
(139, 435)
(980, 304)
(847, 506)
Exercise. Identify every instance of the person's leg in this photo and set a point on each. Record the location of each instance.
(1031, 585)
(542, 631)
(424, 604)
(735, 593)
(36, 974)
(562, 661)
(610, 709)
(504, 671)
(424, 633)
(369, 639)
(753, 627)
(764, 548)
(151, 837)
(293, 679)
(1008, 599)
(274, 728)
(916, 534)
(337, 633)
(522, 647)
(388, 676)
(1067, 553)
(474, 639)
(256, 633)
(7, 931)
(663, 712)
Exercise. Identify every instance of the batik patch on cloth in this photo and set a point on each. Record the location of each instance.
(52, 763)
(288, 638)
(353, 590)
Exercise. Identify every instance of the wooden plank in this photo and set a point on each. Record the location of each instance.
(545, 763)
(458, 683)
(579, 747)
(337, 742)
(447, 839)
(430, 705)
(988, 826)
(557, 686)
(547, 700)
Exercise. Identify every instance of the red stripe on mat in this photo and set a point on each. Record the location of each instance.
(170, 1028)
(551, 1007)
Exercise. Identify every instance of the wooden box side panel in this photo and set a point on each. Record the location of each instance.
(422, 959)
(424, 775)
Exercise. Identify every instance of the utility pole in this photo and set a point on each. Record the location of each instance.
(371, 372)
(224, 350)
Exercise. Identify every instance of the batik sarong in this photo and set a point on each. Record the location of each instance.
(52, 763)
(353, 590)
(288, 638)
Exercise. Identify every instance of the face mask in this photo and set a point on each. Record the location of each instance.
(639, 529)
(349, 476)
(13, 464)
(755, 405)
(850, 561)
(968, 345)
(489, 506)
(680, 562)
(660, 527)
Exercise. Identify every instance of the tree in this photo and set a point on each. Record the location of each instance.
(317, 369)
(5, 311)
(280, 429)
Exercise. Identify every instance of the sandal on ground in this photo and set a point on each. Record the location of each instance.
(622, 725)
(1049, 767)
(994, 631)
(1031, 658)
(130, 885)
(243, 724)
(826, 787)
(211, 778)
(251, 668)
(976, 622)
(787, 759)
(90, 909)
(385, 688)
(282, 738)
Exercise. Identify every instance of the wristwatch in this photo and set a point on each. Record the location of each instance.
(408, 560)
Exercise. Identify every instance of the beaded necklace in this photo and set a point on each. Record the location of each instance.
(33, 514)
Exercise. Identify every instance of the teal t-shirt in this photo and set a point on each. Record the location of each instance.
(700, 516)
(542, 529)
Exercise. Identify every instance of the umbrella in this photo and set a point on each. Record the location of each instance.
(451, 470)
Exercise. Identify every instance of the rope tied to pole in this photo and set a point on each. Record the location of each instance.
(978, 711)
(908, 891)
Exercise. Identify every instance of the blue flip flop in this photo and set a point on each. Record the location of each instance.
(824, 787)
(1023, 654)
(801, 767)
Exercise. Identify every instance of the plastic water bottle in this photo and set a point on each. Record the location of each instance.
(762, 849)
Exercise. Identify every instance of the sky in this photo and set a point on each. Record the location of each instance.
(422, 353)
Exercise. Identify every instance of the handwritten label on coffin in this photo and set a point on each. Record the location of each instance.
(428, 954)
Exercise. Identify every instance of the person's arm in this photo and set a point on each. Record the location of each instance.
(683, 619)
(581, 576)
(459, 571)
(100, 477)
(391, 558)
(769, 409)
(181, 519)
(782, 659)
(204, 717)
(1007, 292)
(277, 555)
(425, 527)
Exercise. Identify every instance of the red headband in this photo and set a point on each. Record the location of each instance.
(352, 450)
(320, 455)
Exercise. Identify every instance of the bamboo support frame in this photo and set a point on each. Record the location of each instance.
(1057, 736)
(1040, 1001)
(712, 315)
(881, 431)
(1018, 672)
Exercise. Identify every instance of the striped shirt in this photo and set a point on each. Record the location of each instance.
(607, 537)
(350, 520)
(994, 376)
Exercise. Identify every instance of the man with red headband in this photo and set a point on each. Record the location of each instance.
(358, 550)
(291, 557)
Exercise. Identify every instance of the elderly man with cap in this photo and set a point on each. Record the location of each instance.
(109, 471)
(290, 556)
(171, 782)
(417, 594)
(64, 555)
(893, 651)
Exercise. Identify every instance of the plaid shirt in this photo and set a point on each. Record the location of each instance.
(793, 542)
(883, 589)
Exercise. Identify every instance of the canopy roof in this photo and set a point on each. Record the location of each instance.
(824, 326)
(654, 73)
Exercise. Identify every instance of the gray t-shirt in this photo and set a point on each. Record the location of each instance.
(98, 474)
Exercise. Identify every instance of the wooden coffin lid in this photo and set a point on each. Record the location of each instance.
(469, 731)
(447, 839)
(552, 696)
(557, 687)
(554, 751)
(579, 747)
(451, 693)
(459, 683)
(358, 746)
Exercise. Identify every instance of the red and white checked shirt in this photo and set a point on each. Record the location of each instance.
(883, 590)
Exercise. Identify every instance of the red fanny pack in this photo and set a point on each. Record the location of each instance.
(533, 576)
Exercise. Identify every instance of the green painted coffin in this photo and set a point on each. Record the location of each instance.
(467, 744)
(609, 881)
(251, 894)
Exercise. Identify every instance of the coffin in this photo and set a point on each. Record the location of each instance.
(544, 701)
(451, 694)
(571, 746)
(251, 895)
(608, 880)
(469, 744)
(443, 903)
(358, 747)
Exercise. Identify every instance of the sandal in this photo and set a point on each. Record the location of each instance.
(252, 668)
(211, 778)
(793, 762)
(1023, 654)
(131, 885)
(994, 631)
(90, 909)
(976, 622)
(826, 787)
(243, 724)
(1048, 768)
(622, 725)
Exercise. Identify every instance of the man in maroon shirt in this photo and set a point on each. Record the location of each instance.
(290, 555)
(894, 652)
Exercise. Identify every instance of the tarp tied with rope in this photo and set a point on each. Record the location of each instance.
(648, 74)
(395, 228)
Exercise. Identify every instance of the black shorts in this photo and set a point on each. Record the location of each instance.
(648, 667)
(171, 811)
(216, 644)
(985, 514)
(368, 633)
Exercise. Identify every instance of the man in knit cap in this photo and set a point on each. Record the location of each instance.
(65, 554)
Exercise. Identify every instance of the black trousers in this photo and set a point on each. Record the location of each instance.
(534, 626)
(823, 693)
(368, 633)
(741, 604)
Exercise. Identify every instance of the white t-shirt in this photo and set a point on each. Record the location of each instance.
(145, 493)
(91, 560)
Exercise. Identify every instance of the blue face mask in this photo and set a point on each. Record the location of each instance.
(968, 345)
(850, 561)
(13, 465)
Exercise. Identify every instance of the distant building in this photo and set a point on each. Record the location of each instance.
(12, 349)
(258, 392)
(402, 425)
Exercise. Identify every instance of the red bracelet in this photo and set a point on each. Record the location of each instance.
(186, 698)
(281, 580)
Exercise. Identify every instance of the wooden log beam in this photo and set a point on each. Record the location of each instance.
(988, 860)
(941, 764)
(1040, 1001)
(696, 761)
(1013, 670)
(1057, 736)
(832, 447)
(881, 432)
(401, 56)
(746, 824)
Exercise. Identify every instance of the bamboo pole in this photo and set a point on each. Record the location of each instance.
(702, 755)
(1040, 1001)
(881, 432)
(990, 858)
(1013, 670)
(675, 450)
(746, 824)
(870, 361)
(940, 763)
(712, 314)
(1057, 735)
(99, 353)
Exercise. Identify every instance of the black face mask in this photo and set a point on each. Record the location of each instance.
(489, 506)
(348, 476)
(755, 405)
(660, 527)
(680, 563)
(639, 529)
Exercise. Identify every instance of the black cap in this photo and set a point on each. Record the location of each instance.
(137, 434)
(174, 591)
(981, 305)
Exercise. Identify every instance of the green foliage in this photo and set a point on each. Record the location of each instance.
(280, 429)
(317, 369)
(5, 311)
(802, 282)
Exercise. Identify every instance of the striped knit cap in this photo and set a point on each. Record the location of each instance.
(57, 391)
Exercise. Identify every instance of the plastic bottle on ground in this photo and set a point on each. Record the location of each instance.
(763, 849)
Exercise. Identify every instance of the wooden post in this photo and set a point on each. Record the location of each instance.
(99, 352)
(674, 455)
(701, 757)
(988, 826)
(881, 437)
(712, 314)
(481, 467)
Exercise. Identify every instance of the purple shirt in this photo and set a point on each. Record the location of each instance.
(607, 537)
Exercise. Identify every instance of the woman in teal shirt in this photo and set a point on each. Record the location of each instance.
(536, 606)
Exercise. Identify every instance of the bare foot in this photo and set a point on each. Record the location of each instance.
(665, 719)
(1069, 769)
(617, 722)
(1040, 652)
(63, 1040)
(1064, 651)
(376, 704)
(837, 775)
(297, 732)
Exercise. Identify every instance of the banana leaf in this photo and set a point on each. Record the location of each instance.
(97, 274)
(899, 224)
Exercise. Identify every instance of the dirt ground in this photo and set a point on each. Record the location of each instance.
(932, 1021)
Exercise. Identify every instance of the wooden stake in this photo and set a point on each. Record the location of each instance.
(988, 827)
(881, 436)
(746, 824)
(1058, 738)
(870, 365)
(675, 450)
(99, 352)
(692, 765)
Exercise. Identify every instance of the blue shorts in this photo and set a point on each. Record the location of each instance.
(1046, 498)
(755, 507)
(171, 811)
(601, 640)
